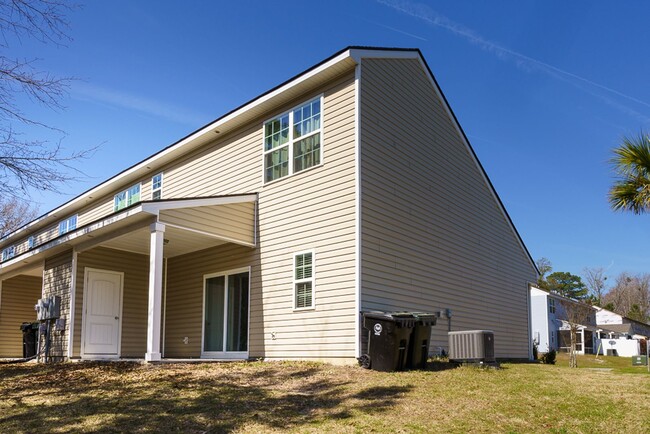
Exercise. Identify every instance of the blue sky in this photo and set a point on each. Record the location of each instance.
(543, 89)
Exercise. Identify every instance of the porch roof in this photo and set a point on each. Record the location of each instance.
(191, 224)
(565, 325)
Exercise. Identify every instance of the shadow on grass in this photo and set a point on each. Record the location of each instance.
(130, 397)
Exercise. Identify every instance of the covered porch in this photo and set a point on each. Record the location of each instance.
(128, 282)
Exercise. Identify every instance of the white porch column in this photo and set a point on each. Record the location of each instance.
(155, 292)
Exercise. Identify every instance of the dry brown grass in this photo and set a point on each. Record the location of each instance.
(309, 397)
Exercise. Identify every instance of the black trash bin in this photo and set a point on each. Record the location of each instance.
(420, 337)
(30, 338)
(388, 340)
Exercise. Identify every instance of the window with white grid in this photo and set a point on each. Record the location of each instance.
(304, 280)
(292, 141)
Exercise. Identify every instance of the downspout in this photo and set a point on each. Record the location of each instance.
(357, 206)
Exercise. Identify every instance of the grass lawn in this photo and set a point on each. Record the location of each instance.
(600, 396)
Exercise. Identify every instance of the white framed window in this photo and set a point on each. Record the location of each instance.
(31, 242)
(303, 280)
(551, 305)
(68, 225)
(156, 186)
(8, 253)
(292, 141)
(127, 197)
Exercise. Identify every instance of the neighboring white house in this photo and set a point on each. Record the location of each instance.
(620, 335)
(630, 327)
(549, 325)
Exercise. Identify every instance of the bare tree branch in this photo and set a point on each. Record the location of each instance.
(32, 163)
(595, 280)
(14, 213)
(43, 20)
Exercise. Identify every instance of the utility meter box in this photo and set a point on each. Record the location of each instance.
(48, 308)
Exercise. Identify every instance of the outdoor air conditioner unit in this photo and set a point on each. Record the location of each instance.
(471, 346)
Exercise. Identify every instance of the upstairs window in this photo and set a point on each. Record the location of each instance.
(68, 225)
(551, 305)
(292, 141)
(31, 242)
(127, 197)
(303, 280)
(156, 186)
(8, 253)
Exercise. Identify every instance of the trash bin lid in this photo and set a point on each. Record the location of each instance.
(401, 319)
(425, 318)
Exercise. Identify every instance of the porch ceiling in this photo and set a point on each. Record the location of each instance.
(190, 225)
(194, 224)
(177, 242)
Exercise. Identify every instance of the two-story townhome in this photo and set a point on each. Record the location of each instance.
(267, 232)
(550, 323)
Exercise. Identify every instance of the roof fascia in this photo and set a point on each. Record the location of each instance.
(371, 53)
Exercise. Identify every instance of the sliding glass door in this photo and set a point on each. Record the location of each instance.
(225, 320)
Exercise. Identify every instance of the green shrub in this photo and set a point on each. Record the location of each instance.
(535, 351)
(549, 358)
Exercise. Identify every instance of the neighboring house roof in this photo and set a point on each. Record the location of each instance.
(328, 69)
(620, 328)
(565, 325)
(555, 295)
(635, 326)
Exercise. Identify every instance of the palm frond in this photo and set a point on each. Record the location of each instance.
(633, 156)
(631, 163)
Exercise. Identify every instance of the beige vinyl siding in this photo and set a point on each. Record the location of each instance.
(57, 280)
(105, 205)
(184, 296)
(135, 296)
(312, 210)
(96, 209)
(433, 234)
(234, 222)
(18, 296)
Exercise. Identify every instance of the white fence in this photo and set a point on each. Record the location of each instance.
(623, 347)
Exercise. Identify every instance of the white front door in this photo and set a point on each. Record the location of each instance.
(101, 316)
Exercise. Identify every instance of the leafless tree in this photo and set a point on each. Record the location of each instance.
(630, 296)
(31, 163)
(14, 213)
(577, 314)
(595, 280)
(544, 267)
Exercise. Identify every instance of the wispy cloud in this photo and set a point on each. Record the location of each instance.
(527, 63)
(150, 107)
(395, 30)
